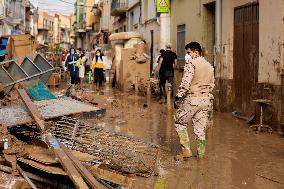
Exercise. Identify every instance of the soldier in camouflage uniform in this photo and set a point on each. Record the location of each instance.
(194, 100)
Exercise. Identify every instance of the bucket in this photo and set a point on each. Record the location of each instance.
(89, 77)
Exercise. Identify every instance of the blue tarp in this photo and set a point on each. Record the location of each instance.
(40, 92)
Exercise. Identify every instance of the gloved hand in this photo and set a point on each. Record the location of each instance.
(177, 102)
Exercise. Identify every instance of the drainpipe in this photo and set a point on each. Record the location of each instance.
(218, 29)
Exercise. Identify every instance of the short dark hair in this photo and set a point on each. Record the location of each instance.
(194, 46)
(162, 51)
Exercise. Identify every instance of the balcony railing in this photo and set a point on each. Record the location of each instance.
(118, 7)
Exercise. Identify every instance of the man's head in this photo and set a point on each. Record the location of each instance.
(72, 50)
(79, 51)
(169, 46)
(193, 49)
(162, 52)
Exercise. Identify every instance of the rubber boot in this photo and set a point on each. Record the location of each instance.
(184, 155)
(200, 148)
(185, 145)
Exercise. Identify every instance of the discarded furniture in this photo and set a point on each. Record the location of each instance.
(261, 126)
(29, 72)
(74, 168)
(55, 78)
(20, 46)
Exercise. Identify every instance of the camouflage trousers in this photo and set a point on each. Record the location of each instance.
(195, 109)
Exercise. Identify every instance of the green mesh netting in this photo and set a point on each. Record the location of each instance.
(40, 92)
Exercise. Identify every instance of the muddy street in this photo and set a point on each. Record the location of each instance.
(236, 157)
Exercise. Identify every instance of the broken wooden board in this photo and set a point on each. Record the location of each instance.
(69, 167)
(51, 141)
(46, 168)
(19, 115)
(10, 181)
(41, 155)
(46, 156)
(32, 108)
(104, 173)
(88, 177)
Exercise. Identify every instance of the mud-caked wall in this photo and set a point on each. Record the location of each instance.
(130, 69)
(271, 33)
(271, 53)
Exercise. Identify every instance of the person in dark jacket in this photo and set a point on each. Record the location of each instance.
(167, 63)
(70, 64)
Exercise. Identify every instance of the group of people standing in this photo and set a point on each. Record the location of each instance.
(79, 65)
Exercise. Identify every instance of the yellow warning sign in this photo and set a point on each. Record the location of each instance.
(163, 6)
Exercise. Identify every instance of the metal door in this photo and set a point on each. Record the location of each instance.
(246, 49)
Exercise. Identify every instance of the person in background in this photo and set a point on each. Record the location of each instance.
(166, 70)
(98, 67)
(156, 66)
(70, 64)
(64, 56)
(79, 51)
(108, 61)
(87, 65)
(81, 65)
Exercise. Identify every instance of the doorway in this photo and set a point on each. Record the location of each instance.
(246, 51)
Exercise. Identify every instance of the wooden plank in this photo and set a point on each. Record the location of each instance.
(46, 168)
(93, 183)
(26, 178)
(110, 176)
(72, 172)
(21, 37)
(33, 110)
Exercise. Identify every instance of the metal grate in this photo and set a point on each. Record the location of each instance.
(123, 153)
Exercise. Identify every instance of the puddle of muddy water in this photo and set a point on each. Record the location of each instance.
(235, 157)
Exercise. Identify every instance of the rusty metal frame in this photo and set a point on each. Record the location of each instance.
(39, 69)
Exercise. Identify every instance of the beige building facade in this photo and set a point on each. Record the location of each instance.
(54, 30)
(65, 31)
(244, 41)
(84, 24)
(45, 28)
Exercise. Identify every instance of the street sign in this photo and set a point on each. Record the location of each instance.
(163, 6)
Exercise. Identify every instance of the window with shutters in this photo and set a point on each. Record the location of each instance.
(181, 42)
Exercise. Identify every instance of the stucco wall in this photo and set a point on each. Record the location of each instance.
(186, 12)
(151, 9)
(198, 22)
(90, 17)
(136, 16)
(271, 31)
(131, 3)
(130, 69)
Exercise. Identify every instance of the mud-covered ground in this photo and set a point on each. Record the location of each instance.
(236, 158)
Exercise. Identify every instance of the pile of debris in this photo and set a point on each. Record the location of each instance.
(121, 153)
(42, 142)
(41, 167)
